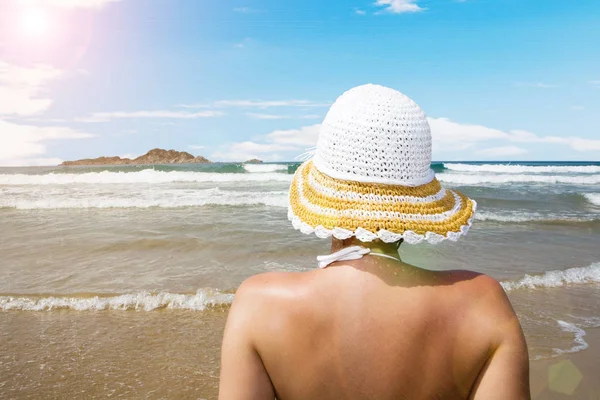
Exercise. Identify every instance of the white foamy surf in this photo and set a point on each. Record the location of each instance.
(593, 198)
(145, 176)
(553, 279)
(519, 169)
(467, 179)
(142, 301)
(579, 333)
(515, 217)
(264, 168)
(143, 199)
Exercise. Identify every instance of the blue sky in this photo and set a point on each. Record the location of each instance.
(233, 80)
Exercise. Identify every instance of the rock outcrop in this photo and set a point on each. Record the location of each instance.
(254, 161)
(154, 156)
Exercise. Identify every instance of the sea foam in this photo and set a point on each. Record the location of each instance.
(515, 217)
(264, 168)
(476, 179)
(145, 176)
(519, 169)
(593, 198)
(580, 343)
(552, 279)
(146, 199)
(141, 301)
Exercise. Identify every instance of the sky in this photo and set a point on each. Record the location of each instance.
(235, 80)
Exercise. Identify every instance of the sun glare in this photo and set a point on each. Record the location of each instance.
(34, 22)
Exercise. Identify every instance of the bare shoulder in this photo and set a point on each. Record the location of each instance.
(492, 294)
(491, 308)
(272, 285)
(477, 285)
(273, 290)
(269, 303)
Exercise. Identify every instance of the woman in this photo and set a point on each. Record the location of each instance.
(367, 325)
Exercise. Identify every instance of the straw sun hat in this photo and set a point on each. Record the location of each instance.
(371, 175)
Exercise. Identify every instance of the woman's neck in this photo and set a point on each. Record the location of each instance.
(379, 247)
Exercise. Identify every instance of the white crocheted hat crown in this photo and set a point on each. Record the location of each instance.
(371, 175)
(375, 134)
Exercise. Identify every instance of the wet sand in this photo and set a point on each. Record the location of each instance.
(167, 354)
(557, 379)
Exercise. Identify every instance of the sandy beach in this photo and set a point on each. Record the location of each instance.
(172, 354)
(572, 376)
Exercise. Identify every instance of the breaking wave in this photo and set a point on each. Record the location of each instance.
(553, 279)
(264, 168)
(148, 199)
(141, 301)
(516, 217)
(593, 198)
(145, 176)
(466, 179)
(519, 169)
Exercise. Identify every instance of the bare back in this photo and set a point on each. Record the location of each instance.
(375, 329)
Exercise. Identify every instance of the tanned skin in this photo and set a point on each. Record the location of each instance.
(376, 329)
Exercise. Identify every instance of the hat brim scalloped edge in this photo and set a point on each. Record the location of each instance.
(365, 235)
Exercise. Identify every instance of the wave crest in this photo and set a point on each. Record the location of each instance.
(146, 199)
(516, 217)
(264, 168)
(593, 198)
(145, 176)
(466, 179)
(553, 279)
(518, 169)
(141, 301)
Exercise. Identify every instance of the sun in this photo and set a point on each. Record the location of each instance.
(34, 22)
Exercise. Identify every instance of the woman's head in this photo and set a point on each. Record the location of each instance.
(370, 177)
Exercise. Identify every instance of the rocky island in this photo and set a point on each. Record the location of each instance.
(154, 156)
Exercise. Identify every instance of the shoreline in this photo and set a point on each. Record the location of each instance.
(549, 376)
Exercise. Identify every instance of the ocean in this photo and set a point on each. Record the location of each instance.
(116, 281)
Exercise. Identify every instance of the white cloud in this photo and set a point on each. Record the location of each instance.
(595, 83)
(577, 108)
(273, 103)
(399, 6)
(539, 85)
(448, 137)
(196, 147)
(304, 137)
(266, 116)
(505, 151)
(579, 144)
(446, 132)
(106, 116)
(25, 144)
(22, 88)
(248, 150)
(278, 116)
(259, 104)
(76, 3)
(277, 145)
(358, 11)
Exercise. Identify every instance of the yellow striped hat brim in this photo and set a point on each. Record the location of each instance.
(329, 207)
